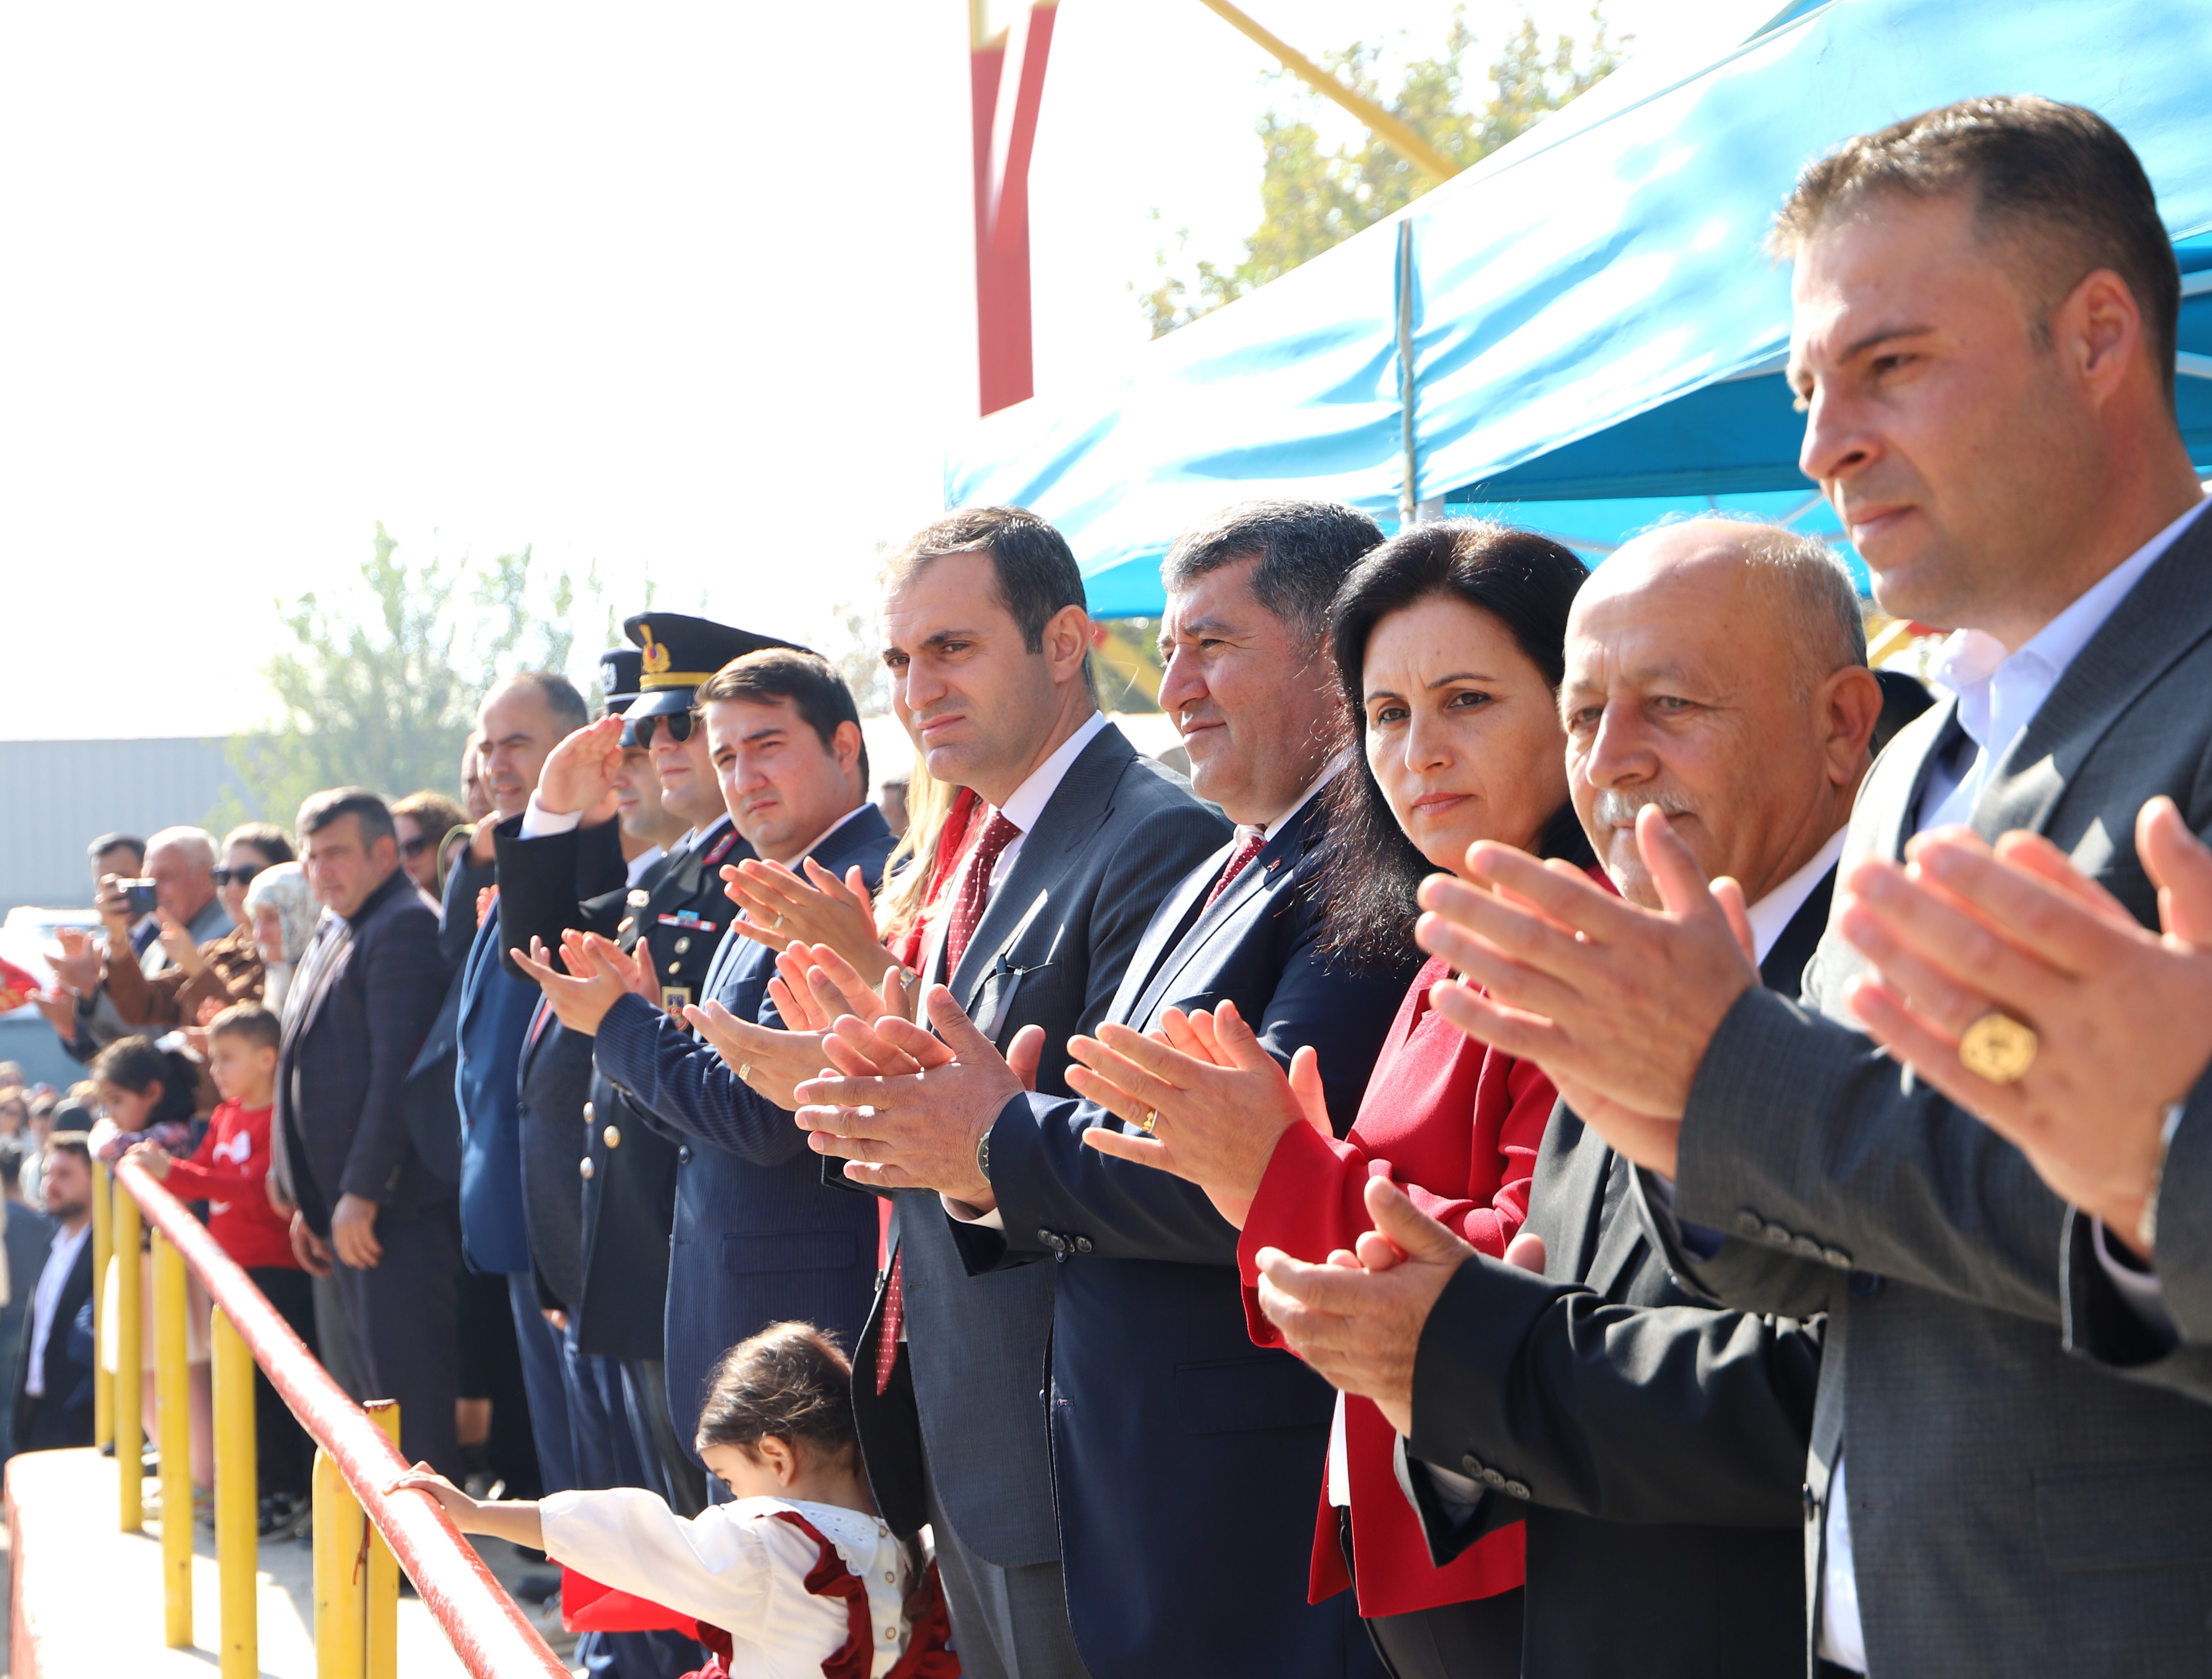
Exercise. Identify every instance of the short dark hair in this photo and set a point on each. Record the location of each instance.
(2055, 181)
(116, 842)
(1305, 548)
(1035, 569)
(71, 1143)
(791, 1381)
(1370, 872)
(337, 803)
(11, 1163)
(266, 838)
(250, 1021)
(561, 696)
(137, 1064)
(807, 680)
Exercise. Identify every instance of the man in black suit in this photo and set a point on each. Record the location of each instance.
(53, 1373)
(1186, 1507)
(27, 1235)
(1073, 845)
(363, 1000)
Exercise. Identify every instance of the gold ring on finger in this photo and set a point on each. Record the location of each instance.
(1150, 1122)
(1998, 1048)
(745, 1071)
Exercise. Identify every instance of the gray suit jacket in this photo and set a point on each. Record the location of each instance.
(1117, 835)
(2013, 1509)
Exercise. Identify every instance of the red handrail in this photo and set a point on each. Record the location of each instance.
(488, 1633)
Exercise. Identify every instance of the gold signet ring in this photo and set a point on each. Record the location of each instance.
(1998, 1048)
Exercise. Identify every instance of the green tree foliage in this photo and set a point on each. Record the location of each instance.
(379, 688)
(1314, 196)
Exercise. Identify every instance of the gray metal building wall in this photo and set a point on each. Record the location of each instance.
(57, 795)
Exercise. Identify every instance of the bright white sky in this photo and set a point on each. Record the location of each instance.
(683, 288)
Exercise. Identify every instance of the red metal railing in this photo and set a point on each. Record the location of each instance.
(488, 1632)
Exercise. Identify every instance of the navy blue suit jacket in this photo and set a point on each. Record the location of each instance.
(759, 1238)
(1185, 1460)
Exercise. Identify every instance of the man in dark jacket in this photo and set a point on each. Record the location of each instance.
(53, 1370)
(367, 992)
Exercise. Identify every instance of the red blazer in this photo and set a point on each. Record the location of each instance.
(1457, 1125)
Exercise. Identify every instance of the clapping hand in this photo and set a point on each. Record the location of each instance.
(58, 1009)
(1211, 1102)
(579, 773)
(908, 1109)
(781, 906)
(177, 939)
(76, 962)
(598, 976)
(809, 1003)
(2122, 1017)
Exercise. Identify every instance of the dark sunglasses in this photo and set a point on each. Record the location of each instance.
(416, 846)
(679, 727)
(238, 876)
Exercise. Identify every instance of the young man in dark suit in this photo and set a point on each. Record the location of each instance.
(758, 1237)
(1074, 843)
(363, 1001)
(1985, 305)
(1184, 1461)
(53, 1373)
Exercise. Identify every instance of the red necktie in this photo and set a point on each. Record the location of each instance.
(1239, 861)
(967, 912)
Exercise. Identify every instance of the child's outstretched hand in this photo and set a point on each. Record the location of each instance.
(424, 1479)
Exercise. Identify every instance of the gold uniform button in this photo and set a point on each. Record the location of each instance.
(590, 1112)
(611, 1136)
(584, 1167)
(675, 967)
(682, 944)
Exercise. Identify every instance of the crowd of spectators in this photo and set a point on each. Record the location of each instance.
(1393, 1203)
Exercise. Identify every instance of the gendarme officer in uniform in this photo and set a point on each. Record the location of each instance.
(619, 1176)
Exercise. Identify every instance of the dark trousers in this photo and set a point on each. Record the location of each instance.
(284, 1456)
(1479, 1639)
(668, 1466)
(540, 1347)
(604, 1446)
(399, 1315)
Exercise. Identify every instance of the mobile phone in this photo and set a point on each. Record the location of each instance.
(138, 894)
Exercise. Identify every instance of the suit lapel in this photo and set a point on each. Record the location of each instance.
(2167, 612)
(1176, 914)
(1284, 851)
(1784, 965)
(1078, 805)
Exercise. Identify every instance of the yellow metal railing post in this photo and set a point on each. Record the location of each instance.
(383, 1571)
(237, 1503)
(173, 1392)
(340, 1528)
(103, 1244)
(130, 1434)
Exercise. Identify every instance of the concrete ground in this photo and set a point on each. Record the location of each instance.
(93, 1595)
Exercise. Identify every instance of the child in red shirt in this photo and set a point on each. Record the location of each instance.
(230, 1172)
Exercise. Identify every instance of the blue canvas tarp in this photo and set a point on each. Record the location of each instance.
(1594, 321)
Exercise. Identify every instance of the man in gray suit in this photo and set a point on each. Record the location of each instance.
(1075, 841)
(1985, 304)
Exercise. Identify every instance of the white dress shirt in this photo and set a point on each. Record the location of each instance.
(1999, 694)
(61, 1257)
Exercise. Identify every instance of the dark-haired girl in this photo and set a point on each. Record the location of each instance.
(1450, 644)
(797, 1574)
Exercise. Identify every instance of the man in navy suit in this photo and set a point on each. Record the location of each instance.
(518, 726)
(53, 1375)
(758, 1237)
(1184, 1457)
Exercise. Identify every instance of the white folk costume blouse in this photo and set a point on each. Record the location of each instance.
(745, 1567)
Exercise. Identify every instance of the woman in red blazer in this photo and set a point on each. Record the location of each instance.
(1448, 643)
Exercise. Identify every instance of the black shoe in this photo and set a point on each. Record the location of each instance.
(536, 1588)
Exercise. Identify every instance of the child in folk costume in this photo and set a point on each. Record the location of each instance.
(796, 1578)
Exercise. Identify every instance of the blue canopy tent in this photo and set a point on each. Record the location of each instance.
(1583, 332)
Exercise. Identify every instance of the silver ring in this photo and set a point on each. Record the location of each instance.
(745, 1071)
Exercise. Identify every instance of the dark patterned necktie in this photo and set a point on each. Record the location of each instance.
(967, 913)
(1239, 861)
